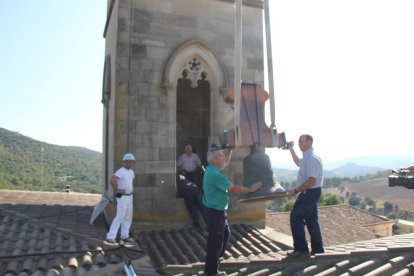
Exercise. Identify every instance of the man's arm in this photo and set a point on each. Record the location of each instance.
(239, 189)
(307, 185)
(180, 162)
(295, 157)
(197, 158)
(114, 184)
(227, 155)
(199, 164)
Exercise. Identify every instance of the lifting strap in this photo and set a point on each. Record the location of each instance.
(237, 71)
(270, 65)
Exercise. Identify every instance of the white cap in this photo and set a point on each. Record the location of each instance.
(128, 156)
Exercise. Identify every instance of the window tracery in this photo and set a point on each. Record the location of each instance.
(194, 70)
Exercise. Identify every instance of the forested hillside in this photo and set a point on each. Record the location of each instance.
(28, 164)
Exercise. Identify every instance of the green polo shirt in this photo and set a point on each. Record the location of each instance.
(215, 185)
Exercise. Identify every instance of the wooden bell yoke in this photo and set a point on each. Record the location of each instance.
(252, 128)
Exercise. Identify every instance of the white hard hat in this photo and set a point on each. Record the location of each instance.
(128, 156)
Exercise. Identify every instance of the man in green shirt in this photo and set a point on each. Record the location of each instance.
(215, 199)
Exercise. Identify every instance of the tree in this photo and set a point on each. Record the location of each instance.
(354, 201)
(370, 202)
(276, 205)
(392, 215)
(388, 207)
(329, 199)
(289, 205)
(396, 229)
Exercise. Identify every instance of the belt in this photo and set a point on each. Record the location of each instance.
(127, 194)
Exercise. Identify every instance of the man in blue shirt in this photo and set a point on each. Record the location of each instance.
(305, 209)
(215, 200)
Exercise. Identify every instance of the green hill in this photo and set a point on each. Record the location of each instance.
(27, 164)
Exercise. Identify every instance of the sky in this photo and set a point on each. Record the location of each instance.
(52, 54)
(343, 72)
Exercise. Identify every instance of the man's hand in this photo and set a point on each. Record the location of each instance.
(290, 192)
(239, 189)
(256, 186)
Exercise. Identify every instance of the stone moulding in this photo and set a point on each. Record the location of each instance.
(252, 3)
(195, 58)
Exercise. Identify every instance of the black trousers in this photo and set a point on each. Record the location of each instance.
(305, 213)
(218, 237)
(192, 200)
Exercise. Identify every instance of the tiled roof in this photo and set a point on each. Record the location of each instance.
(29, 246)
(385, 256)
(53, 241)
(44, 232)
(339, 224)
(398, 241)
(185, 246)
(71, 211)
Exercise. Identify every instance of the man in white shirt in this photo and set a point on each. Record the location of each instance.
(188, 163)
(122, 183)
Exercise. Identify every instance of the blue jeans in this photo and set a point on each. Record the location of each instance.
(218, 237)
(305, 212)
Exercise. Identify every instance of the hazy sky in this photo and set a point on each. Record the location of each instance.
(52, 56)
(343, 72)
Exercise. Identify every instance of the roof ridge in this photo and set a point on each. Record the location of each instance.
(54, 192)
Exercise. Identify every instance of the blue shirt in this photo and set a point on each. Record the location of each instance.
(215, 185)
(310, 166)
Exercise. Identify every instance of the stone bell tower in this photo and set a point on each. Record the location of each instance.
(168, 67)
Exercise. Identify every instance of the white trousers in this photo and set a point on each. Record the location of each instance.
(123, 218)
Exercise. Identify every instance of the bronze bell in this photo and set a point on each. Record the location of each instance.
(257, 167)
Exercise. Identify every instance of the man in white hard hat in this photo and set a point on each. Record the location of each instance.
(122, 183)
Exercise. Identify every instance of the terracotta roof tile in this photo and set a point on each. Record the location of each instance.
(56, 238)
(366, 262)
(334, 221)
(70, 211)
(70, 246)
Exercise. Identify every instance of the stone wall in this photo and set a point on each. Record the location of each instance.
(147, 40)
